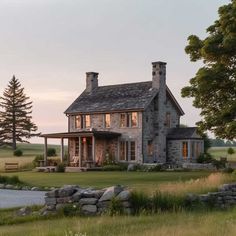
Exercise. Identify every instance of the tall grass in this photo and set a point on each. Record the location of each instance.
(201, 185)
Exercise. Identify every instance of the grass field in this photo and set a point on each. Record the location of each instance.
(218, 152)
(171, 224)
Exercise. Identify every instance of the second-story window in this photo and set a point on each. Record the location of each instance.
(87, 121)
(168, 120)
(79, 122)
(107, 120)
(129, 119)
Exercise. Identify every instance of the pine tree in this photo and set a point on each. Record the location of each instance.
(15, 115)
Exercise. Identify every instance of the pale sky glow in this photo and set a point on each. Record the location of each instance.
(50, 44)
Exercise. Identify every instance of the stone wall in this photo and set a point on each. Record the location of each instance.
(224, 198)
(89, 201)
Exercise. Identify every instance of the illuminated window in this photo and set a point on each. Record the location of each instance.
(123, 120)
(127, 151)
(122, 151)
(132, 151)
(78, 122)
(134, 117)
(185, 150)
(87, 121)
(107, 120)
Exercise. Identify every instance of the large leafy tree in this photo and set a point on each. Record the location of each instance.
(15, 115)
(214, 86)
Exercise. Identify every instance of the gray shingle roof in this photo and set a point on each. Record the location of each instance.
(183, 133)
(133, 96)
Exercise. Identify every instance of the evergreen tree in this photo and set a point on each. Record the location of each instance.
(214, 86)
(15, 115)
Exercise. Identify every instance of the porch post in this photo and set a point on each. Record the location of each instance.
(62, 149)
(93, 148)
(45, 151)
(80, 151)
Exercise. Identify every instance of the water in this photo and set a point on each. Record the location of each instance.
(18, 198)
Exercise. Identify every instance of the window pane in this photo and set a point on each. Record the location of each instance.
(185, 150)
(132, 151)
(87, 121)
(122, 120)
(126, 150)
(128, 121)
(168, 120)
(192, 149)
(134, 121)
(78, 122)
(122, 151)
(107, 120)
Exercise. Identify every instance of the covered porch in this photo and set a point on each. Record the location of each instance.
(86, 149)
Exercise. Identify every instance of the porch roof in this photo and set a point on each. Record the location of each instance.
(97, 134)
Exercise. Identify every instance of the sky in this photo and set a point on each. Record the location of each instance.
(49, 45)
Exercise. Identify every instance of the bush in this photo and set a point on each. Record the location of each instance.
(141, 202)
(205, 158)
(230, 151)
(37, 159)
(71, 210)
(156, 168)
(51, 152)
(18, 152)
(115, 167)
(115, 207)
(228, 170)
(10, 179)
(61, 167)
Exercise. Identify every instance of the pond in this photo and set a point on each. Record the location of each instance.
(18, 198)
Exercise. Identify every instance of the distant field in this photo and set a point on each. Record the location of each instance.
(218, 152)
(29, 153)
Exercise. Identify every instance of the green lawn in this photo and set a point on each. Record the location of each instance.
(171, 224)
(138, 180)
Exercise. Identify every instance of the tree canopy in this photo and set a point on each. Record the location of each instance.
(15, 115)
(214, 86)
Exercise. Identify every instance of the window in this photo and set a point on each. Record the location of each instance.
(127, 151)
(168, 120)
(107, 120)
(134, 117)
(78, 122)
(150, 148)
(132, 151)
(87, 121)
(185, 150)
(82, 121)
(193, 152)
(129, 119)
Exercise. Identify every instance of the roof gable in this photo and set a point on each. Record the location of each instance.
(183, 133)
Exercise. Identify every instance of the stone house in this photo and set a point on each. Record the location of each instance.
(134, 123)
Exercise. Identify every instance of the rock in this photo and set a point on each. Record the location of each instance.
(77, 196)
(59, 207)
(66, 191)
(24, 211)
(50, 201)
(88, 201)
(192, 197)
(124, 195)
(2, 186)
(110, 193)
(126, 204)
(9, 186)
(131, 167)
(25, 188)
(51, 207)
(64, 200)
(52, 193)
(89, 209)
(104, 204)
(35, 189)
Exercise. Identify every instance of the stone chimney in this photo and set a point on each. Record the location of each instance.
(91, 81)
(159, 83)
(158, 75)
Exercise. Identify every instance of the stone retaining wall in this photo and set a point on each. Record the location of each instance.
(89, 201)
(224, 198)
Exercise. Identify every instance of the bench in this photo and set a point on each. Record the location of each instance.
(11, 166)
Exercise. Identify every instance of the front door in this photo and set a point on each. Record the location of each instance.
(87, 150)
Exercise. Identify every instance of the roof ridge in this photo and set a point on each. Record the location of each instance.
(112, 85)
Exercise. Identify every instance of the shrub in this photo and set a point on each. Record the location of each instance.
(10, 179)
(156, 168)
(18, 153)
(61, 167)
(230, 151)
(115, 207)
(205, 158)
(37, 159)
(228, 170)
(71, 210)
(51, 152)
(115, 167)
(141, 202)
(166, 202)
